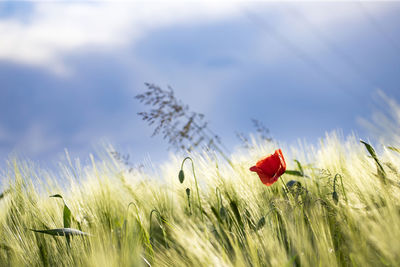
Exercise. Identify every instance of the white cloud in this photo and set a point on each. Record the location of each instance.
(55, 28)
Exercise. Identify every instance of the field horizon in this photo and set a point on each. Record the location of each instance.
(337, 203)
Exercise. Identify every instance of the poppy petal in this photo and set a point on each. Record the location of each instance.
(270, 168)
(254, 169)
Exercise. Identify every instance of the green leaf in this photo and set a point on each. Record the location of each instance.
(67, 215)
(61, 232)
(394, 149)
(57, 195)
(371, 151)
(381, 171)
(299, 166)
(295, 173)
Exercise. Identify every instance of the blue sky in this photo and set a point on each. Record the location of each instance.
(69, 71)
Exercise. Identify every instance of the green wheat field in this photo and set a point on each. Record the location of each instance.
(342, 208)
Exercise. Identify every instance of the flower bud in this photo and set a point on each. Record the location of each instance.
(222, 213)
(335, 197)
(181, 176)
(261, 223)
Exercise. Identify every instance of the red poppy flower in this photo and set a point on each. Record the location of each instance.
(270, 168)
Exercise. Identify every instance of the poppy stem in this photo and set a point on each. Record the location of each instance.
(284, 185)
(188, 199)
(197, 186)
(160, 223)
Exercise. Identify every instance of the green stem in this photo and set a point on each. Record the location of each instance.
(219, 198)
(284, 185)
(197, 186)
(190, 206)
(151, 215)
(160, 222)
(341, 182)
(334, 182)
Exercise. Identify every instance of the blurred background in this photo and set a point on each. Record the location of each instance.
(69, 71)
